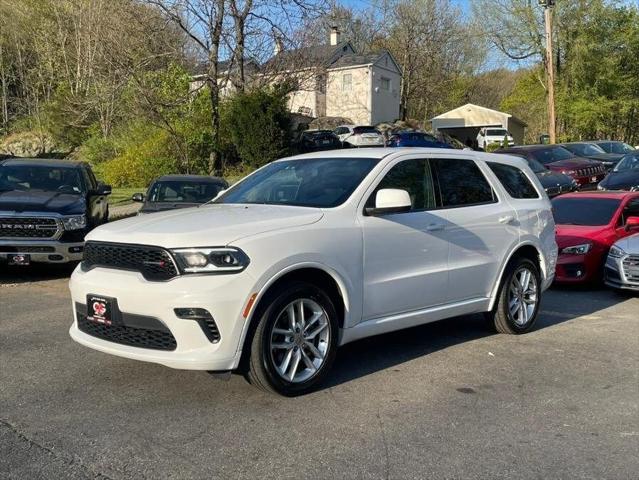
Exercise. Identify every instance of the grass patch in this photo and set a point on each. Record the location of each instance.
(122, 196)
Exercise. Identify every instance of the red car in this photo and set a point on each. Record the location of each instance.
(586, 172)
(588, 223)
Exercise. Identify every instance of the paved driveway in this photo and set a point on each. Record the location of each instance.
(446, 400)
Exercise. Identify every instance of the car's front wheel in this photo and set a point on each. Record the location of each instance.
(295, 341)
(517, 305)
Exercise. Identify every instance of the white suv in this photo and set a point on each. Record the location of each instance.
(315, 251)
(359, 136)
(489, 136)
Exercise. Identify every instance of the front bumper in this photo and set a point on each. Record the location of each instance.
(577, 268)
(615, 275)
(224, 296)
(43, 251)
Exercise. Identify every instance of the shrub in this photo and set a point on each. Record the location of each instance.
(259, 125)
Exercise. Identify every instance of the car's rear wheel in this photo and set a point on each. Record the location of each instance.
(519, 297)
(295, 341)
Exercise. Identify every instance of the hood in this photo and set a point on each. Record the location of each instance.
(569, 235)
(629, 244)
(40, 201)
(207, 225)
(151, 207)
(573, 164)
(550, 179)
(606, 157)
(621, 180)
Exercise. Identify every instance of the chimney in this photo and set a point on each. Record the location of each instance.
(279, 44)
(335, 34)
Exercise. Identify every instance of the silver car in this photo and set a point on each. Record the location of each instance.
(622, 264)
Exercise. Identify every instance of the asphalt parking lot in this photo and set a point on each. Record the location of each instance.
(445, 400)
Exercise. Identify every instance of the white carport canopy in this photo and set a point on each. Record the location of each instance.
(464, 122)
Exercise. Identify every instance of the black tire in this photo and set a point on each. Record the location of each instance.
(499, 317)
(261, 370)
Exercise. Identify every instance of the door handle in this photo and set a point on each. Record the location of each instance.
(434, 227)
(506, 219)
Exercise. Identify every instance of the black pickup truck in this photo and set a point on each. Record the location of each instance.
(46, 209)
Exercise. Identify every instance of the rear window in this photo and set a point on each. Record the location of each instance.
(461, 183)
(358, 130)
(584, 211)
(514, 181)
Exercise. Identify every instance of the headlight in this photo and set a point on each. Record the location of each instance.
(568, 172)
(211, 259)
(600, 187)
(577, 249)
(616, 252)
(74, 223)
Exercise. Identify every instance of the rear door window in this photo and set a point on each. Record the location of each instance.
(461, 183)
(514, 181)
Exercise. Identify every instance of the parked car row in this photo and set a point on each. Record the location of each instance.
(360, 136)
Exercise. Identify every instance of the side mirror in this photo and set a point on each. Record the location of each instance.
(103, 189)
(137, 197)
(390, 200)
(632, 223)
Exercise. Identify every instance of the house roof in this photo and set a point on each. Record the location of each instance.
(470, 115)
(305, 57)
(355, 59)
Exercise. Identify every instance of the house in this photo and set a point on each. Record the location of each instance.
(334, 80)
(465, 122)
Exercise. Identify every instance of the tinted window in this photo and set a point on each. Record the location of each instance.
(461, 183)
(629, 162)
(313, 182)
(359, 130)
(415, 177)
(549, 155)
(184, 191)
(584, 211)
(585, 149)
(36, 177)
(620, 147)
(514, 181)
(496, 132)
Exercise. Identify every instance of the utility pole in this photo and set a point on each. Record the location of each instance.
(550, 71)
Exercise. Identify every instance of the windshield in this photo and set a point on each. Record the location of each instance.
(177, 191)
(620, 147)
(314, 182)
(550, 155)
(41, 177)
(584, 211)
(629, 162)
(497, 132)
(585, 149)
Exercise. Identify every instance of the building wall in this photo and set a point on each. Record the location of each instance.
(517, 130)
(304, 99)
(385, 94)
(353, 103)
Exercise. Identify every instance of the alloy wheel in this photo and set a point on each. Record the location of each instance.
(522, 296)
(300, 340)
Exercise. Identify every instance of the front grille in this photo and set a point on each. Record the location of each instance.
(154, 263)
(131, 336)
(553, 191)
(28, 227)
(631, 268)
(591, 171)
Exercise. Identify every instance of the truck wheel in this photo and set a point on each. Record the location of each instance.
(518, 300)
(295, 341)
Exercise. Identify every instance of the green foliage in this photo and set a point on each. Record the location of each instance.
(259, 125)
(146, 155)
(528, 102)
